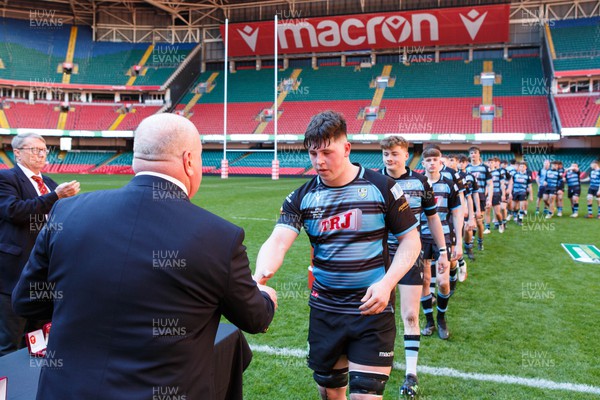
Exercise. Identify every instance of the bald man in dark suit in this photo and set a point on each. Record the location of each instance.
(139, 278)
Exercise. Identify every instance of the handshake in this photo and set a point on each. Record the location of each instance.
(261, 281)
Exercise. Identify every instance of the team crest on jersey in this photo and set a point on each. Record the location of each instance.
(362, 192)
(347, 221)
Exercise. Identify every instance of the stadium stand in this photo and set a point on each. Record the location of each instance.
(31, 56)
(583, 157)
(120, 164)
(576, 43)
(41, 115)
(418, 102)
(91, 116)
(578, 111)
(76, 161)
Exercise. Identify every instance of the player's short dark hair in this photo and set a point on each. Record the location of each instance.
(433, 146)
(323, 128)
(473, 148)
(453, 155)
(503, 162)
(513, 161)
(463, 158)
(393, 141)
(431, 151)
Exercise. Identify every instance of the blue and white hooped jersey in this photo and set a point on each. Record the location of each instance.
(471, 185)
(520, 182)
(481, 172)
(542, 176)
(595, 179)
(511, 170)
(419, 195)
(552, 179)
(497, 178)
(454, 176)
(447, 200)
(572, 178)
(348, 229)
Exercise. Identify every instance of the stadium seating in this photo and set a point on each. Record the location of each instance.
(77, 161)
(423, 96)
(583, 157)
(34, 54)
(119, 165)
(35, 116)
(576, 43)
(241, 117)
(136, 115)
(91, 116)
(524, 114)
(579, 111)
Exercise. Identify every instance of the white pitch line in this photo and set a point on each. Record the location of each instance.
(453, 373)
(254, 218)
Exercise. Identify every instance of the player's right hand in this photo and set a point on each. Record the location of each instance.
(442, 263)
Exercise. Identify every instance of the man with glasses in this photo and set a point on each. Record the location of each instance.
(25, 198)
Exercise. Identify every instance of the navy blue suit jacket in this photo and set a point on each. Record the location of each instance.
(22, 216)
(136, 280)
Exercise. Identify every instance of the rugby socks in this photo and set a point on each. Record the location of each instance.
(433, 277)
(496, 224)
(468, 246)
(487, 226)
(521, 214)
(575, 208)
(590, 209)
(454, 275)
(442, 304)
(411, 351)
(560, 210)
(427, 308)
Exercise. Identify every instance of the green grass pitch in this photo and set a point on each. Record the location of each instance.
(527, 310)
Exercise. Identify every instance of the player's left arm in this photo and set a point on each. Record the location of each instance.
(457, 221)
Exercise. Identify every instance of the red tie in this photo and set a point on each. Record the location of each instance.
(41, 187)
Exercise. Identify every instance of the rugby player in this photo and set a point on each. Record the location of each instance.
(421, 199)
(594, 189)
(481, 172)
(347, 212)
(448, 208)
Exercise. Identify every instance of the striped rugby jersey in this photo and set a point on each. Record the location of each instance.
(542, 175)
(419, 195)
(497, 179)
(552, 179)
(447, 200)
(481, 172)
(471, 185)
(572, 178)
(595, 179)
(521, 182)
(348, 228)
(454, 176)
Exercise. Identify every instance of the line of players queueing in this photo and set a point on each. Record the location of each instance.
(463, 191)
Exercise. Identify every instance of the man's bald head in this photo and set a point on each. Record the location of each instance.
(163, 136)
(169, 144)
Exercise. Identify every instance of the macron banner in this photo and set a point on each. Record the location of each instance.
(446, 26)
